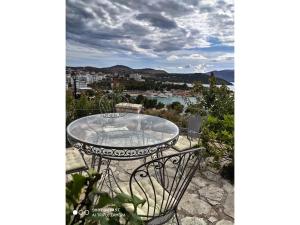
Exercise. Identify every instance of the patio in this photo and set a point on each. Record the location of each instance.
(209, 200)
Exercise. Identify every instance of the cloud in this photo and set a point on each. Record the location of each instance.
(172, 57)
(194, 56)
(201, 68)
(157, 20)
(224, 57)
(160, 31)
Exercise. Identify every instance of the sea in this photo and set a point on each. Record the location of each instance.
(170, 99)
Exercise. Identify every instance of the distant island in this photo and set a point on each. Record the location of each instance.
(222, 76)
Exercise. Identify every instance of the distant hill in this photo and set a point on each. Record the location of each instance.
(150, 71)
(227, 75)
(192, 77)
(160, 75)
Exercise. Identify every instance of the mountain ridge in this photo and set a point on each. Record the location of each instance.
(227, 75)
(162, 75)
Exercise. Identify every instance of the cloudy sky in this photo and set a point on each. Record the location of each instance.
(177, 36)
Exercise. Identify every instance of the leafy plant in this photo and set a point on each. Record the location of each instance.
(177, 106)
(83, 196)
(218, 138)
(148, 103)
(217, 134)
(172, 115)
(216, 101)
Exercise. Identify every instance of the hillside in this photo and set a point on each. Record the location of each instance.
(160, 75)
(227, 75)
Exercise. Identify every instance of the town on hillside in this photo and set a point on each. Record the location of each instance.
(147, 82)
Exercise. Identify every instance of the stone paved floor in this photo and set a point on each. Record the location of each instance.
(209, 200)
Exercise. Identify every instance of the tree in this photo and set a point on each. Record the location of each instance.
(160, 105)
(150, 103)
(177, 106)
(218, 130)
(140, 99)
(217, 101)
(82, 106)
(70, 107)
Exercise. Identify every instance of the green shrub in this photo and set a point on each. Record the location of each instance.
(177, 106)
(218, 130)
(82, 195)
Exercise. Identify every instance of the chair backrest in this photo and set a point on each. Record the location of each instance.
(162, 183)
(194, 125)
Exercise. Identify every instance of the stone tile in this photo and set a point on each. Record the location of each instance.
(113, 168)
(171, 172)
(224, 222)
(169, 152)
(228, 187)
(212, 176)
(212, 219)
(192, 205)
(199, 181)
(212, 193)
(193, 221)
(229, 205)
(124, 177)
(129, 166)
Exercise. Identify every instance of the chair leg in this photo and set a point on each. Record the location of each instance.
(177, 220)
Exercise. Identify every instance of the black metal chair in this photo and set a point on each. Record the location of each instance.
(162, 182)
(189, 137)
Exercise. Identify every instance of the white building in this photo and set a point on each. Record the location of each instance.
(68, 79)
(92, 78)
(136, 76)
(81, 82)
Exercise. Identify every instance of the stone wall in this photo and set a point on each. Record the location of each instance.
(128, 107)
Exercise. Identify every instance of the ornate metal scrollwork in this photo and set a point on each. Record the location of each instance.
(142, 173)
(121, 154)
(173, 179)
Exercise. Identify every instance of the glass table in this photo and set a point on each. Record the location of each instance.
(121, 136)
(124, 137)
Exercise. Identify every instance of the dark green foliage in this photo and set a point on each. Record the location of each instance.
(140, 99)
(150, 84)
(104, 85)
(217, 101)
(217, 134)
(160, 105)
(85, 105)
(218, 137)
(148, 103)
(172, 115)
(82, 194)
(176, 106)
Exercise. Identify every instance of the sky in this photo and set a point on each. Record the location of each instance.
(176, 36)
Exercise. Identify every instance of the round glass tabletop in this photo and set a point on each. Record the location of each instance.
(129, 131)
